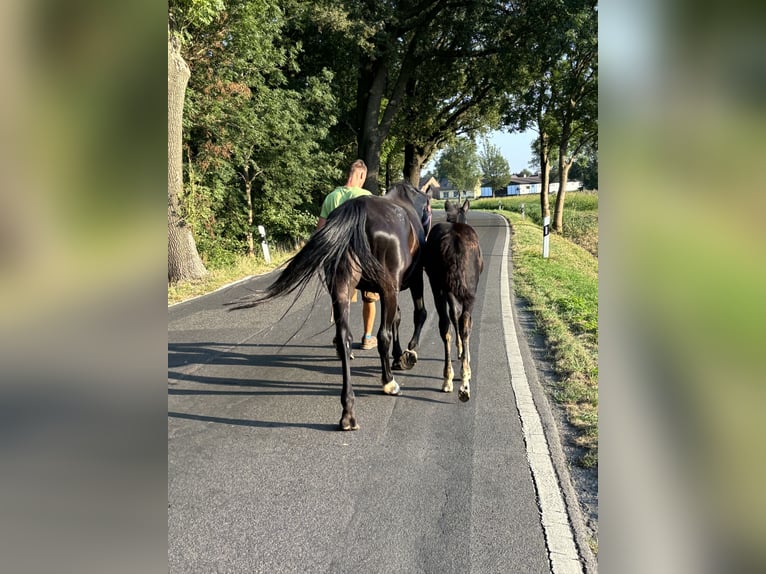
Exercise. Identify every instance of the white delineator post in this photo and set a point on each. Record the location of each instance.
(546, 232)
(264, 245)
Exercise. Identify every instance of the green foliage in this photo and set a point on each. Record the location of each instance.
(187, 15)
(253, 127)
(558, 78)
(585, 169)
(277, 98)
(580, 215)
(460, 164)
(494, 166)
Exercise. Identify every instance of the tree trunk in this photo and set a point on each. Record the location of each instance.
(374, 120)
(414, 157)
(370, 88)
(545, 172)
(184, 262)
(369, 150)
(558, 211)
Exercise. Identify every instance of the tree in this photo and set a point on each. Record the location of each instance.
(463, 83)
(460, 165)
(184, 262)
(494, 166)
(405, 53)
(575, 106)
(585, 168)
(532, 107)
(256, 131)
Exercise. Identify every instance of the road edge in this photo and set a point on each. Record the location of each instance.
(567, 540)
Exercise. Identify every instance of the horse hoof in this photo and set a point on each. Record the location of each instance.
(464, 395)
(391, 388)
(349, 424)
(408, 360)
(447, 387)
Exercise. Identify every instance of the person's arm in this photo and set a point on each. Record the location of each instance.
(324, 213)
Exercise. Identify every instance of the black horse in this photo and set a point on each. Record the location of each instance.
(453, 262)
(374, 244)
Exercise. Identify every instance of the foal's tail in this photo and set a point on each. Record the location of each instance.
(339, 248)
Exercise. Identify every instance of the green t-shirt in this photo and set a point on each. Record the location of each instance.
(340, 195)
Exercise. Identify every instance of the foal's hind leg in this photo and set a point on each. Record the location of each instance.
(444, 331)
(464, 336)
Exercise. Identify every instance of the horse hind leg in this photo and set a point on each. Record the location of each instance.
(446, 335)
(448, 374)
(410, 356)
(464, 336)
(348, 419)
(389, 313)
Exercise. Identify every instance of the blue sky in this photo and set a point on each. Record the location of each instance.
(515, 148)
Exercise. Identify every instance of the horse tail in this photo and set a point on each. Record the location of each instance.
(336, 250)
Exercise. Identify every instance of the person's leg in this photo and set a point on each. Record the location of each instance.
(369, 341)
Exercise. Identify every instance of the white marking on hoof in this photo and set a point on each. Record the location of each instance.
(447, 386)
(391, 388)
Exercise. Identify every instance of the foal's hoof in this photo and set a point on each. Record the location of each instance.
(391, 388)
(348, 423)
(408, 360)
(464, 395)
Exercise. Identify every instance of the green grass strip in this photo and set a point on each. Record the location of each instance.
(562, 294)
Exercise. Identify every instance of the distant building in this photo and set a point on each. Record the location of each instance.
(523, 185)
(530, 185)
(448, 191)
(429, 182)
(485, 190)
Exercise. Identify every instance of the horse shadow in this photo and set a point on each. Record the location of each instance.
(187, 377)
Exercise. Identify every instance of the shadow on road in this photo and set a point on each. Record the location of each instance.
(251, 423)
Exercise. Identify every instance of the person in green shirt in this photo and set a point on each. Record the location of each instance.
(353, 188)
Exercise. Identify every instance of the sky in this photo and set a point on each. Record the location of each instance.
(515, 148)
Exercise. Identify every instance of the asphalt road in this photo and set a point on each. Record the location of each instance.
(260, 479)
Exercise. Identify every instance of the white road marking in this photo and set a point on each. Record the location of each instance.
(559, 540)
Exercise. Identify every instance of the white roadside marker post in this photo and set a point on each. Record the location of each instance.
(264, 245)
(546, 232)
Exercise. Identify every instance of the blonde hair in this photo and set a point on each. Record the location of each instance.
(358, 166)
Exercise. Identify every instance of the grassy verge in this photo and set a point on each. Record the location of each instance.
(243, 267)
(580, 214)
(562, 292)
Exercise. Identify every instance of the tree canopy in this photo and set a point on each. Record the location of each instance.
(459, 163)
(494, 167)
(284, 95)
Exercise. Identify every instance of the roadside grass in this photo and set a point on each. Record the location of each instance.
(562, 293)
(242, 267)
(580, 214)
